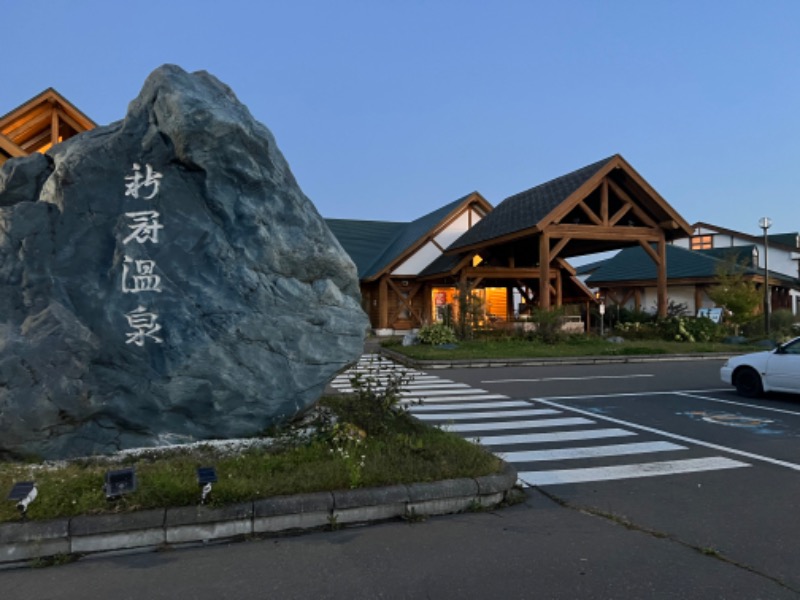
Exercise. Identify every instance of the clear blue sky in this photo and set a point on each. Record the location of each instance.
(387, 110)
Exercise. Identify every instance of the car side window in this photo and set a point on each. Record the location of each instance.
(793, 348)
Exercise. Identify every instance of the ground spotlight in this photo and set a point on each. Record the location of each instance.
(23, 493)
(205, 477)
(119, 483)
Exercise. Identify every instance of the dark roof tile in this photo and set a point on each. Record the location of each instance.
(526, 209)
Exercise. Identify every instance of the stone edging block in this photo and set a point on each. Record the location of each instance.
(150, 529)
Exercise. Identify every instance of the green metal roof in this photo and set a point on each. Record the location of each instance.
(374, 245)
(792, 240)
(634, 264)
(364, 241)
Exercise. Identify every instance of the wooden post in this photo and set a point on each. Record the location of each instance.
(662, 275)
(588, 316)
(559, 289)
(698, 298)
(544, 272)
(383, 303)
(54, 133)
(509, 304)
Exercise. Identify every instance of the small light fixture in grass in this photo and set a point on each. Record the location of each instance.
(119, 483)
(23, 493)
(205, 477)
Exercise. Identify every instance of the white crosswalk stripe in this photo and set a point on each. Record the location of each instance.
(482, 417)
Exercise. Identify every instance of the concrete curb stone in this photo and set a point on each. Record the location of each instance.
(430, 365)
(33, 539)
(98, 533)
(22, 544)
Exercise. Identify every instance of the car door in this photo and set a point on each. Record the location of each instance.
(783, 368)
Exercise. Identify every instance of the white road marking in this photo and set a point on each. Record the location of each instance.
(500, 414)
(429, 393)
(691, 465)
(443, 399)
(469, 406)
(464, 427)
(554, 436)
(674, 436)
(590, 452)
(745, 404)
(566, 378)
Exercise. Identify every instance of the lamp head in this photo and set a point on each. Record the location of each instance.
(765, 223)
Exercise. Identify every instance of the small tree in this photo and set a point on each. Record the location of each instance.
(734, 292)
(470, 311)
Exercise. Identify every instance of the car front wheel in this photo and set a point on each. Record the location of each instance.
(748, 383)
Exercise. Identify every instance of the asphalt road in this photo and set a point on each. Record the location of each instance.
(721, 526)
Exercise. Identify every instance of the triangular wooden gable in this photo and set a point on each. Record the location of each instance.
(39, 123)
(615, 207)
(432, 243)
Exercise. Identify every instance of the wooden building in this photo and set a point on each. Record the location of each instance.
(39, 123)
(518, 249)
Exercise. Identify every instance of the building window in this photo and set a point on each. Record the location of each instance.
(702, 242)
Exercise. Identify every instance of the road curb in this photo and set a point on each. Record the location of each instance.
(431, 365)
(35, 542)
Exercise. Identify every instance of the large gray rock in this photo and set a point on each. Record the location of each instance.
(164, 279)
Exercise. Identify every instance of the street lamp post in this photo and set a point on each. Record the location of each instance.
(765, 223)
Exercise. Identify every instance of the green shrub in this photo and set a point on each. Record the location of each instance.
(637, 330)
(548, 326)
(689, 329)
(783, 324)
(437, 334)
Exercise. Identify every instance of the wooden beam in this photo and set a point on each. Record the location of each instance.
(590, 213)
(33, 144)
(406, 296)
(70, 121)
(619, 214)
(559, 247)
(593, 232)
(544, 267)
(28, 128)
(54, 126)
(502, 272)
(653, 254)
(604, 201)
(638, 211)
(10, 147)
(10, 123)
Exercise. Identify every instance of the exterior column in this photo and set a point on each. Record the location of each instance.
(544, 272)
(588, 316)
(383, 304)
(662, 276)
(559, 289)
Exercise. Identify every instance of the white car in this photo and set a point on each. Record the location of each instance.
(775, 370)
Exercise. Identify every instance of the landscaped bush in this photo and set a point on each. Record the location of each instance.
(783, 324)
(436, 334)
(548, 326)
(637, 330)
(688, 329)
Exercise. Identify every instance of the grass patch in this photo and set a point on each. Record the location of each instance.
(347, 447)
(577, 346)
